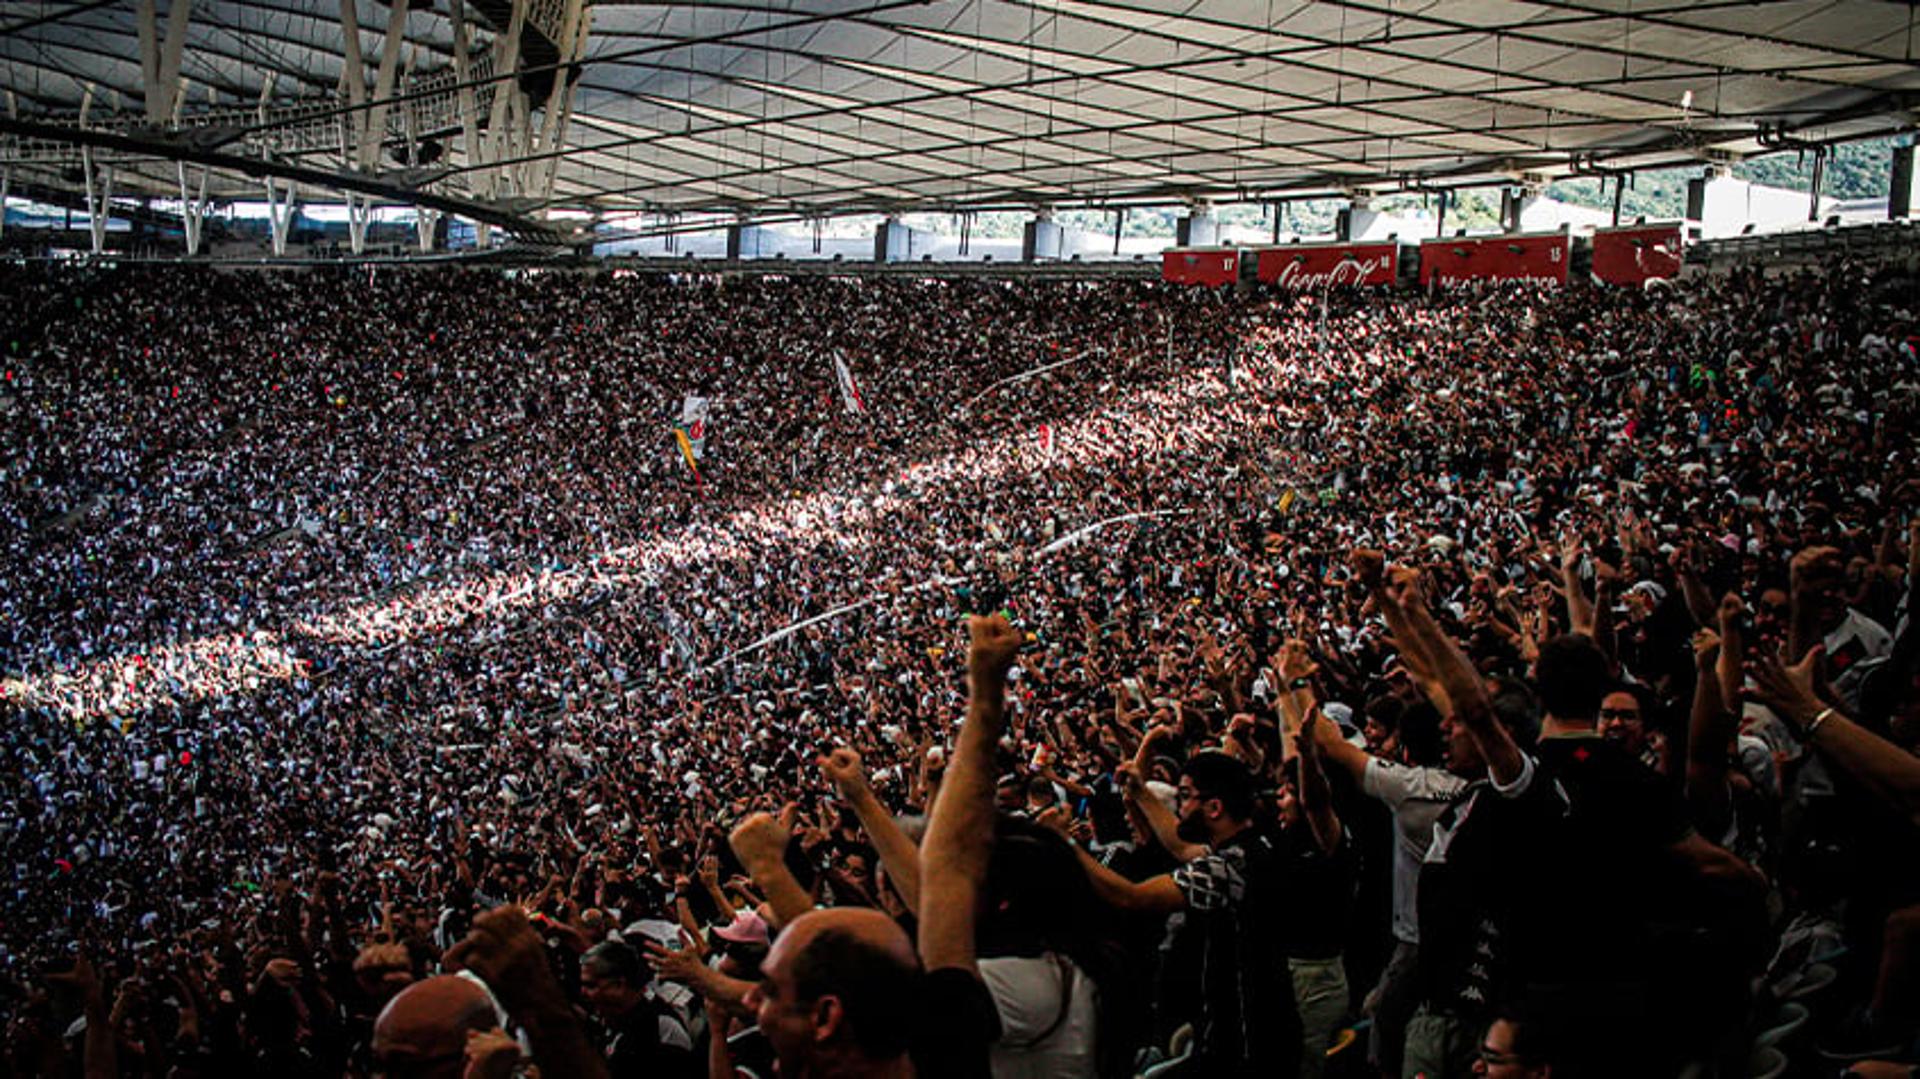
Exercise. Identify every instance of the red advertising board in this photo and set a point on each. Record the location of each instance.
(1307, 267)
(1637, 254)
(1500, 258)
(1200, 265)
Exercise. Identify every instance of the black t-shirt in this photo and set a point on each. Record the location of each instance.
(1606, 876)
(958, 1024)
(1475, 886)
(1320, 891)
(1557, 881)
(1238, 905)
(636, 1047)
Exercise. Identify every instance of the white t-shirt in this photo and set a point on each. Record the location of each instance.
(1853, 646)
(1029, 994)
(1417, 797)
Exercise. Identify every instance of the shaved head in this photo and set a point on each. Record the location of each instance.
(841, 985)
(428, 1022)
(869, 928)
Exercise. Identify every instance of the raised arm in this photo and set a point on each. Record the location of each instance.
(898, 856)
(512, 959)
(959, 840)
(1337, 750)
(1316, 798)
(710, 880)
(1711, 730)
(99, 1051)
(1160, 820)
(687, 965)
(1295, 700)
(1579, 607)
(1156, 895)
(1467, 694)
(1693, 589)
(1889, 771)
(761, 845)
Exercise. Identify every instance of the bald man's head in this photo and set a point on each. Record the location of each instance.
(425, 1027)
(842, 982)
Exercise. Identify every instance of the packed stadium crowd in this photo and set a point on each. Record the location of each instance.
(1101, 678)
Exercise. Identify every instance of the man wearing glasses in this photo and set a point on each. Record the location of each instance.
(1234, 903)
(1507, 1053)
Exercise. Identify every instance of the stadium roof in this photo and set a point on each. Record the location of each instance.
(817, 107)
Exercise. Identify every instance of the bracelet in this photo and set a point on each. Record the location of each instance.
(1300, 683)
(1807, 735)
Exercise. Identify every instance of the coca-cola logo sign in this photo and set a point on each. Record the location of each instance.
(1351, 270)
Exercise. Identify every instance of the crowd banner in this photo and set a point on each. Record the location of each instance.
(849, 389)
(1210, 266)
(691, 431)
(1312, 267)
(1513, 257)
(1079, 534)
(693, 422)
(1637, 254)
(848, 608)
(1035, 373)
(826, 616)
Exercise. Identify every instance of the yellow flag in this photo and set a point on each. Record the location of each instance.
(686, 449)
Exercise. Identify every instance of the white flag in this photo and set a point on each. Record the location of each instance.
(849, 390)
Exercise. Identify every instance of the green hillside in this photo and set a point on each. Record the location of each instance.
(1857, 170)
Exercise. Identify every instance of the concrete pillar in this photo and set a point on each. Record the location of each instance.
(1197, 228)
(1046, 240)
(892, 241)
(1042, 241)
(431, 228)
(746, 241)
(1718, 202)
(1697, 200)
(1354, 219)
(1819, 180)
(1900, 196)
(1513, 205)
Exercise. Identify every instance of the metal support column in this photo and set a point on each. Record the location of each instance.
(426, 221)
(1619, 196)
(359, 212)
(280, 207)
(1900, 184)
(160, 60)
(193, 206)
(1819, 179)
(552, 164)
(353, 79)
(375, 119)
(553, 115)
(506, 62)
(99, 183)
(469, 106)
